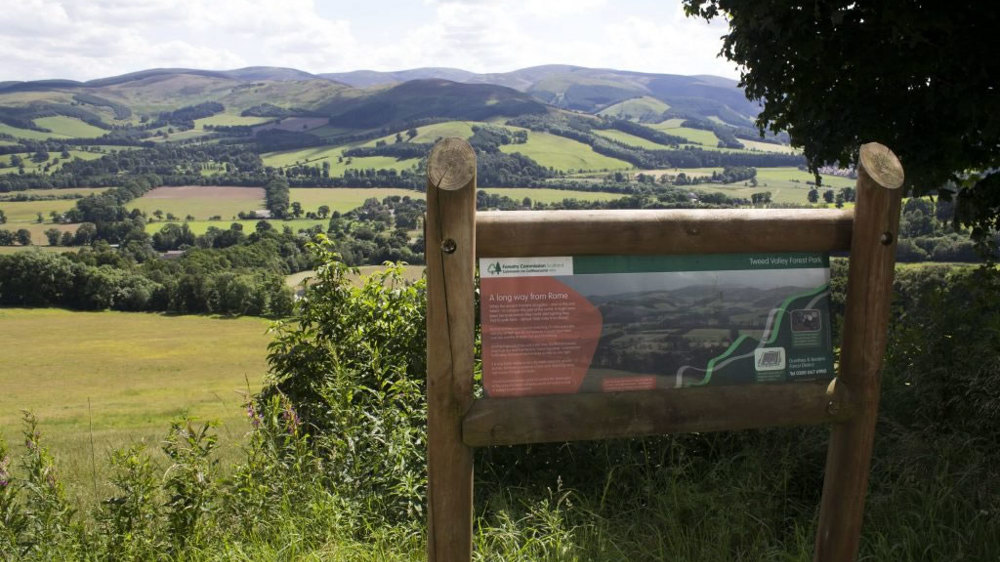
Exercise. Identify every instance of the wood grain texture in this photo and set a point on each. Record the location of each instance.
(569, 233)
(570, 417)
(866, 317)
(450, 236)
(451, 164)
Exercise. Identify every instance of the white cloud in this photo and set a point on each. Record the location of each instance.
(95, 38)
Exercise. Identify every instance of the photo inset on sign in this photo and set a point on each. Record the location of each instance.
(806, 320)
(624, 323)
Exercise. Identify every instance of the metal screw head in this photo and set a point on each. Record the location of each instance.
(886, 238)
(448, 246)
(833, 407)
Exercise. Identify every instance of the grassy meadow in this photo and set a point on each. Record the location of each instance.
(561, 153)
(31, 166)
(101, 380)
(202, 226)
(546, 195)
(787, 185)
(201, 202)
(344, 199)
(333, 155)
(630, 140)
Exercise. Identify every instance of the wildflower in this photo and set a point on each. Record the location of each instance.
(291, 418)
(253, 415)
(4, 474)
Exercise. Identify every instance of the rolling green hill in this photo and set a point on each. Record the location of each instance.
(644, 109)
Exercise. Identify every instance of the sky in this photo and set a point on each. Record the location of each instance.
(87, 39)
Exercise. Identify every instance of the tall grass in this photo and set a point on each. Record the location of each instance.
(332, 468)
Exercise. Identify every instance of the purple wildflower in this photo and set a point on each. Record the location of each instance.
(253, 415)
(291, 418)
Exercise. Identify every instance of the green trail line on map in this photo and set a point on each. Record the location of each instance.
(772, 330)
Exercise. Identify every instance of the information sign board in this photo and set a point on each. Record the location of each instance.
(557, 325)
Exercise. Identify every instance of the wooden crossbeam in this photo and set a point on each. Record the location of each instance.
(502, 234)
(571, 417)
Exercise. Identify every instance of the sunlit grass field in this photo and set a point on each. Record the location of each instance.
(201, 202)
(551, 195)
(101, 380)
(26, 212)
(315, 156)
(201, 226)
(62, 127)
(344, 199)
(39, 167)
(630, 140)
(563, 154)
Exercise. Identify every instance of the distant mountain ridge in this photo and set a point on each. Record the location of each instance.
(589, 90)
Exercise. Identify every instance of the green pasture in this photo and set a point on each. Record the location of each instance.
(631, 140)
(668, 124)
(563, 154)
(410, 272)
(315, 156)
(790, 175)
(101, 380)
(430, 133)
(229, 120)
(768, 147)
(31, 166)
(70, 127)
(696, 136)
(47, 249)
(21, 213)
(67, 192)
(547, 195)
(635, 108)
(344, 199)
(201, 202)
(62, 127)
(787, 185)
(202, 226)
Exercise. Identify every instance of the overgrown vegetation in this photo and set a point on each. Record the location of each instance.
(333, 466)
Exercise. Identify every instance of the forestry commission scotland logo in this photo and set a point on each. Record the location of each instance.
(494, 268)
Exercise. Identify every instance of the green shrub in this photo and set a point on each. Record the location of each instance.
(352, 363)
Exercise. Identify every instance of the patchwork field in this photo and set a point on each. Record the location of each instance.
(563, 154)
(201, 202)
(630, 140)
(229, 120)
(787, 185)
(61, 127)
(100, 380)
(430, 133)
(344, 199)
(636, 108)
(768, 147)
(32, 166)
(315, 156)
(551, 195)
(67, 192)
(22, 213)
(202, 226)
(410, 272)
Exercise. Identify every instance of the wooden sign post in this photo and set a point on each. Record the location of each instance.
(456, 235)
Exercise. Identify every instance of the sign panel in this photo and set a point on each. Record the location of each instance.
(556, 325)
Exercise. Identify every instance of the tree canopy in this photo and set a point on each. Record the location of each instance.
(919, 77)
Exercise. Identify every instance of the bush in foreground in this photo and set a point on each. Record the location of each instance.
(333, 464)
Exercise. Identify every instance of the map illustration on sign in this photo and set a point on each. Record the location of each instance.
(557, 325)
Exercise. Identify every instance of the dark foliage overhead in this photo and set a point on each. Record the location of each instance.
(920, 78)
